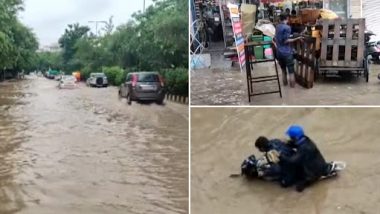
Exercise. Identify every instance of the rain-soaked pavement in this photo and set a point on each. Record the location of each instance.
(226, 85)
(85, 151)
(221, 138)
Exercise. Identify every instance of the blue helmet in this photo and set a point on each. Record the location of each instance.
(295, 131)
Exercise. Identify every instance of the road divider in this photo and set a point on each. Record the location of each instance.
(177, 99)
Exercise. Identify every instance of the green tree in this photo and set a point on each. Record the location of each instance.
(17, 42)
(25, 46)
(67, 42)
(109, 26)
(155, 40)
(48, 60)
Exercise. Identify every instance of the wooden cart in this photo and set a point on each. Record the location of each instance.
(305, 61)
(343, 47)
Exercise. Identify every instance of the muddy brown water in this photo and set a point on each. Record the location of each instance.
(85, 151)
(223, 85)
(223, 137)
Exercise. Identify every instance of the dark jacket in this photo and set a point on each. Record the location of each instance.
(281, 147)
(276, 170)
(309, 158)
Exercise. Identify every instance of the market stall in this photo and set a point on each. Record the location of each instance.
(331, 42)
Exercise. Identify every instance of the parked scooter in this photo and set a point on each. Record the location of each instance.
(372, 47)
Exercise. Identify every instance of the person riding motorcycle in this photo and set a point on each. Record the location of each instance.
(272, 150)
(268, 166)
(308, 159)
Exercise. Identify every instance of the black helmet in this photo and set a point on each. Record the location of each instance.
(248, 167)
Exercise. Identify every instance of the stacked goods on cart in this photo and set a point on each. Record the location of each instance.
(309, 16)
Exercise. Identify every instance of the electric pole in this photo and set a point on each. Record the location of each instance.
(96, 25)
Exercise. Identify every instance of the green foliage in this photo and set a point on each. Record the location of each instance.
(18, 43)
(152, 41)
(86, 71)
(155, 39)
(115, 75)
(48, 60)
(176, 81)
(68, 41)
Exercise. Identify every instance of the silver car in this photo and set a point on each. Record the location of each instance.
(97, 80)
(68, 82)
(141, 86)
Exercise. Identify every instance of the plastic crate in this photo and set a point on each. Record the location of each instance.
(259, 52)
(257, 38)
(268, 52)
(267, 39)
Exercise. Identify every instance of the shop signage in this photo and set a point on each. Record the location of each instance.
(238, 33)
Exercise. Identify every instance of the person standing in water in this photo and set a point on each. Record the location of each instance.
(284, 50)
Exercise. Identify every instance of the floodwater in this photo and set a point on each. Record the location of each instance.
(86, 151)
(223, 137)
(226, 85)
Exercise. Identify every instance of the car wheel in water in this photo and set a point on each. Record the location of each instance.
(160, 102)
(129, 99)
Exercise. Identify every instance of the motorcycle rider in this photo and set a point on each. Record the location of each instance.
(272, 150)
(308, 159)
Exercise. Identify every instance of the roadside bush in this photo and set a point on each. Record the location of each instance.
(85, 72)
(115, 75)
(176, 81)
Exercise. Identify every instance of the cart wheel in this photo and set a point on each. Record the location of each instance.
(316, 69)
(366, 70)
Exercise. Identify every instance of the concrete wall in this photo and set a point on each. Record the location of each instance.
(371, 12)
(356, 8)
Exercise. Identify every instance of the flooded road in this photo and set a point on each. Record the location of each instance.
(222, 138)
(85, 151)
(221, 86)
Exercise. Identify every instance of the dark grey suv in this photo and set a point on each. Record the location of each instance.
(143, 86)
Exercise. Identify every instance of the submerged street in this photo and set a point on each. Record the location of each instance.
(222, 138)
(222, 85)
(86, 151)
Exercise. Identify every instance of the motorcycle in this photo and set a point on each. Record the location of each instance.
(253, 167)
(372, 47)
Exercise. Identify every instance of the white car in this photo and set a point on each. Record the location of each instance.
(97, 79)
(67, 82)
(57, 77)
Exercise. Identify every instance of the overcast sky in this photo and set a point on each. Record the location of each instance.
(49, 18)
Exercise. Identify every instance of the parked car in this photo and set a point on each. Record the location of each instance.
(143, 86)
(58, 77)
(51, 74)
(67, 82)
(97, 79)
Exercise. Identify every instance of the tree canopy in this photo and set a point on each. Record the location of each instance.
(18, 43)
(156, 40)
(151, 40)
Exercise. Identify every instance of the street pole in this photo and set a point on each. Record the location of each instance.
(96, 25)
(96, 29)
(144, 7)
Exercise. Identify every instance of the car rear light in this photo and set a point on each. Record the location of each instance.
(134, 80)
(161, 81)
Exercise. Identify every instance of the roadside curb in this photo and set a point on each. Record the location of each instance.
(177, 99)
